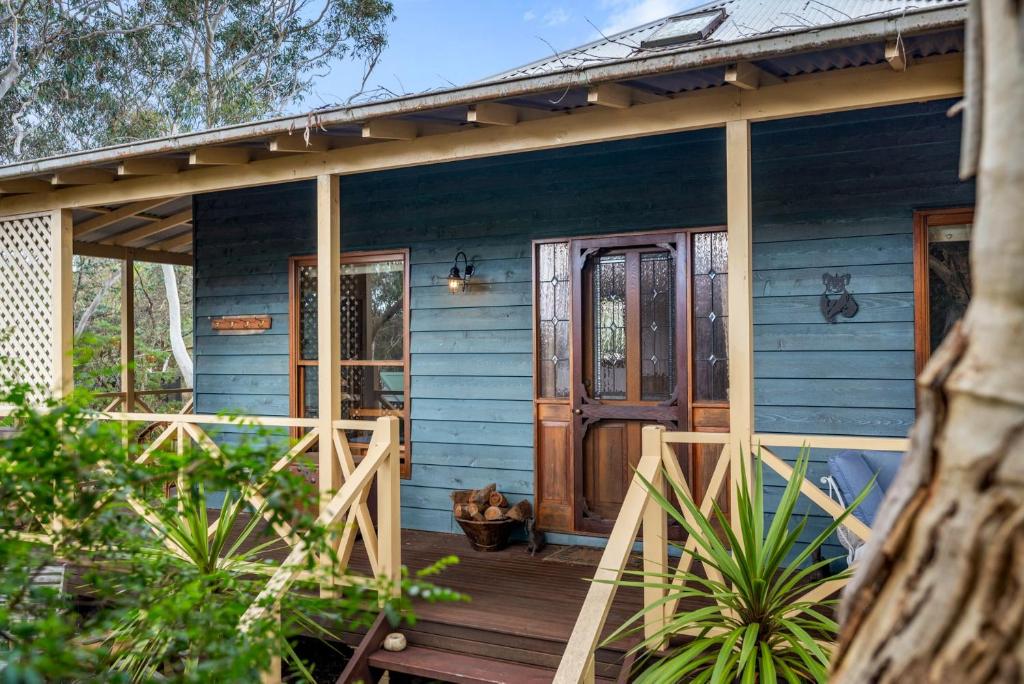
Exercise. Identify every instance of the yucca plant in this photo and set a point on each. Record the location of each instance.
(755, 625)
(207, 567)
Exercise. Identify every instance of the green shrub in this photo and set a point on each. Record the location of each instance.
(755, 626)
(153, 613)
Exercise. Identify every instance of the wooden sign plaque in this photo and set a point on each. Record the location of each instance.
(241, 323)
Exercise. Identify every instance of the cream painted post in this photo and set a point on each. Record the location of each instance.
(128, 334)
(740, 304)
(61, 312)
(655, 542)
(577, 664)
(389, 508)
(62, 315)
(328, 316)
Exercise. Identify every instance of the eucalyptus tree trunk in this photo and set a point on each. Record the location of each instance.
(178, 348)
(939, 596)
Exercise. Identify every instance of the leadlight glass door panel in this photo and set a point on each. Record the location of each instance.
(710, 341)
(627, 348)
(554, 334)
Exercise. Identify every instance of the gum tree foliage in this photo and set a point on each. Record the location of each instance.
(76, 74)
(158, 601)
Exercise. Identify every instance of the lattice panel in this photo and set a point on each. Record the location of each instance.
(26, 328)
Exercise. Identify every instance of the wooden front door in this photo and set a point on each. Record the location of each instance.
(630, 333)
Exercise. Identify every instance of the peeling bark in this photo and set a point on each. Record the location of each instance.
(939, 596)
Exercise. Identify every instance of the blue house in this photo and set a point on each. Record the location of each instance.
(727, 223)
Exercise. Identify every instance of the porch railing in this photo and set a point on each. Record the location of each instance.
(348, 505)
(658, 465)
(119, 400)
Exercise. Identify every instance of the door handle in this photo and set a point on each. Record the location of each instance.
(578, 412)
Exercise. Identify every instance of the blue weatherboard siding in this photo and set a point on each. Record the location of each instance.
(837, 193)
(832, 193)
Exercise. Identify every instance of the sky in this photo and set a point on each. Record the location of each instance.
(440, 43)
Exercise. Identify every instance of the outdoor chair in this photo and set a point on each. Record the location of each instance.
(849, 473)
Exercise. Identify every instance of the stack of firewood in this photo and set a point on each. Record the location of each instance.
(487, 503)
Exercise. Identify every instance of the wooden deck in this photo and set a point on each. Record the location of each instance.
(516, 625)
(510, 590)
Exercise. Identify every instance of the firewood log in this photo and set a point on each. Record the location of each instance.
(498, 499)
(461, 511)
(481, 496)
(495, 513)
(472, 510)
(521, 511)
(477, 517)
(461, 496)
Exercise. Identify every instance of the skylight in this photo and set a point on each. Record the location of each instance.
(685, 28)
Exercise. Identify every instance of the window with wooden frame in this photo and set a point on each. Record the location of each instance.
(942, 275)
(374, 360)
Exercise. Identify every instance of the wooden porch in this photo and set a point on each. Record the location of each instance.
(519, 618)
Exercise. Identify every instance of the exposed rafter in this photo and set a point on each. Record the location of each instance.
(148, 167)
(94, 249)
(618, 96)
(390, 129)
(896, 55)
(747, 76)
(153, 230)
(173, 244)
(493, 114)
(297, 143)
(219, 156)
(23, 186)
(82, 177)
(127, 211)
(610, 95)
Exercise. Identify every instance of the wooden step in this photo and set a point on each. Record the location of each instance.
(447, 666)
(531, 651)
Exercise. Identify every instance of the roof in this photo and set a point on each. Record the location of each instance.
(743, 20)
(782, 37)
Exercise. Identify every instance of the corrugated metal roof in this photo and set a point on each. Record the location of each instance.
(932, 27)
(744, 20)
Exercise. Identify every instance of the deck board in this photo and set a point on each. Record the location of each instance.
(510, 590)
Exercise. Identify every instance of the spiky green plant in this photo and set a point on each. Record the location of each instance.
(219, 566)
(210, 566)
(755, 626)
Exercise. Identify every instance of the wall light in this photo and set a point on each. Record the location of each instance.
(458, 280)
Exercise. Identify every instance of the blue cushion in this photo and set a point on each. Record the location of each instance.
(885, 464)
(852, 473)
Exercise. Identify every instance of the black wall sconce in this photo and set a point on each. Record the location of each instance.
(459, 280)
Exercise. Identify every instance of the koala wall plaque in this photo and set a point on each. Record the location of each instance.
(835, 300)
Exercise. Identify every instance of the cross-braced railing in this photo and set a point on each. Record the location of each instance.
(118, 401)
(658, 465)
(343, 515)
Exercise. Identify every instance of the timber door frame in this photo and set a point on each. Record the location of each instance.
(559, 409)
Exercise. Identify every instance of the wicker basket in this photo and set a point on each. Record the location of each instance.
(483, 535)
(487, 535)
